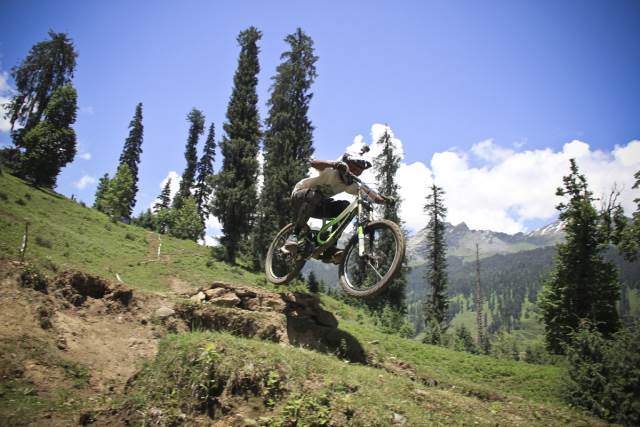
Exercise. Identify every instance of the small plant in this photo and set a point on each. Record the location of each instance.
(43, 242)
(3, 196)
(27, 196)
(32, 278)
(130, 236)
(21, 202)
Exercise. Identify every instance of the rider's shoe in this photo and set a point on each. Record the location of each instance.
(290, 247)
(337, 257)
(332, 255)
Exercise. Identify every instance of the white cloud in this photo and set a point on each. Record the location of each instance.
(5, 93)
(85, 156)
(508, 188)
(84, 182)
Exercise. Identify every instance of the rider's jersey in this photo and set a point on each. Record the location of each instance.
(328, 182)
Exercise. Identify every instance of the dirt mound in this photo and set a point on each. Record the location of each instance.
(290, 318)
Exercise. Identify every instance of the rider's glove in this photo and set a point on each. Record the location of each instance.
(341, 166)
(389, 200)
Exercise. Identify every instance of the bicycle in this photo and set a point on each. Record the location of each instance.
(372, 257)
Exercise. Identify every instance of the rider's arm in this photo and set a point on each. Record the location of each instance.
(323, 164)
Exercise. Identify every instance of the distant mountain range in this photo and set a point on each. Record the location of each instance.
(461, 242)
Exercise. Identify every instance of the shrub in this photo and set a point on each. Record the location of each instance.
(130, 236)
(31, 277)
(43, 242)
(3, 196)
(21, 202)
(604, 375)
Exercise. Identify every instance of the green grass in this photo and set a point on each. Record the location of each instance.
(215, 373)
(75, 237)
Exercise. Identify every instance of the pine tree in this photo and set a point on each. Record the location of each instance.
(205, 174)
(312, 283)
(185, 221)
(235, 185)
(48, 67)
(51, 144)
(478, 301)
(583, 285)
(196, 118)
(131, 153)
(386, 166)
(164, 199)
(288, 139)
(437, 304)
(101, 191)
(629, 232)
(119, 193)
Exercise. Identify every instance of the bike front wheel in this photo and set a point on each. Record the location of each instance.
(281, 268)
(369, 275)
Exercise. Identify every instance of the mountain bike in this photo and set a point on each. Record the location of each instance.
(372, 257)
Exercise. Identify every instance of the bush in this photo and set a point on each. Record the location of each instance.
(130, 236)
(32, 278)
(3, 196)
(604, 375)
(43, 242)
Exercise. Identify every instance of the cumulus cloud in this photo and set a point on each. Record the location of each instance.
(85, 156)
(174, 186)
(84, 182)
(5, 93)
(506, 188)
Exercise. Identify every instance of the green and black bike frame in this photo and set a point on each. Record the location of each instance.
(333, 228)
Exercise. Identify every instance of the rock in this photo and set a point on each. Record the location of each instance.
(274, 304)
(164, 312)
(398, 419)
(227, 300)
(215, 293)
(199, 297)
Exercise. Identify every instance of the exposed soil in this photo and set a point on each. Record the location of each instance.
(73, 342)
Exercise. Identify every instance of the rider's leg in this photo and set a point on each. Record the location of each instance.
(331, 209)
(306, 203)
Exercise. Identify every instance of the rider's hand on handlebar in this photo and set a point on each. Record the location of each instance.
(388, 200)
(341, 166)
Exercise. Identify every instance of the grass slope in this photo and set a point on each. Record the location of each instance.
(202, 373)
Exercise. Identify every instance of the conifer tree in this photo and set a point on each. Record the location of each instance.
(205, 173)
(235, 185)
(583, 284)
(51, 144)
(629, 231)
(437, 304)
(386, 166)
(101, 191)
(196, 118)
(288, 139)
(164, 199)
(48, 67)
(131, 153)
(119, 193)
(312, 283)
(185, 221)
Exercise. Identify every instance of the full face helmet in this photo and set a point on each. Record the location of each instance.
(355, 160)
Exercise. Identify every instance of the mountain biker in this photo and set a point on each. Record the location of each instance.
(312, 197)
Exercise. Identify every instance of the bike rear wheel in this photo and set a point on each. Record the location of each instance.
(369, 275)
(281, 268)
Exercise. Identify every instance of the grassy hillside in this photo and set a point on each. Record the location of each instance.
(66, 235)
(200, 375)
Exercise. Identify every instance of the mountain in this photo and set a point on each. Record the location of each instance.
(461, 241)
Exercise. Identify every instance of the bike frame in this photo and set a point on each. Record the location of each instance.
(358, 208)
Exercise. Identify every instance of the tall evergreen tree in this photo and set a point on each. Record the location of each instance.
(629, 231)
(437, 303)
(48, 67)
(583, 285)
(51, 144)
(205, 174)
(131, 153)
(288, 139)
(196, 118)
(164, 199)
(235, 185)
(119, 193)
(101, 191)
(386, 166)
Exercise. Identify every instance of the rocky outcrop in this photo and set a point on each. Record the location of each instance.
(290, 317)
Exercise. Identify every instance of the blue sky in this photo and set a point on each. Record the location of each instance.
(476, 93)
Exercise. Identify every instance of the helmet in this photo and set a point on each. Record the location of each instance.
(356, 160)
